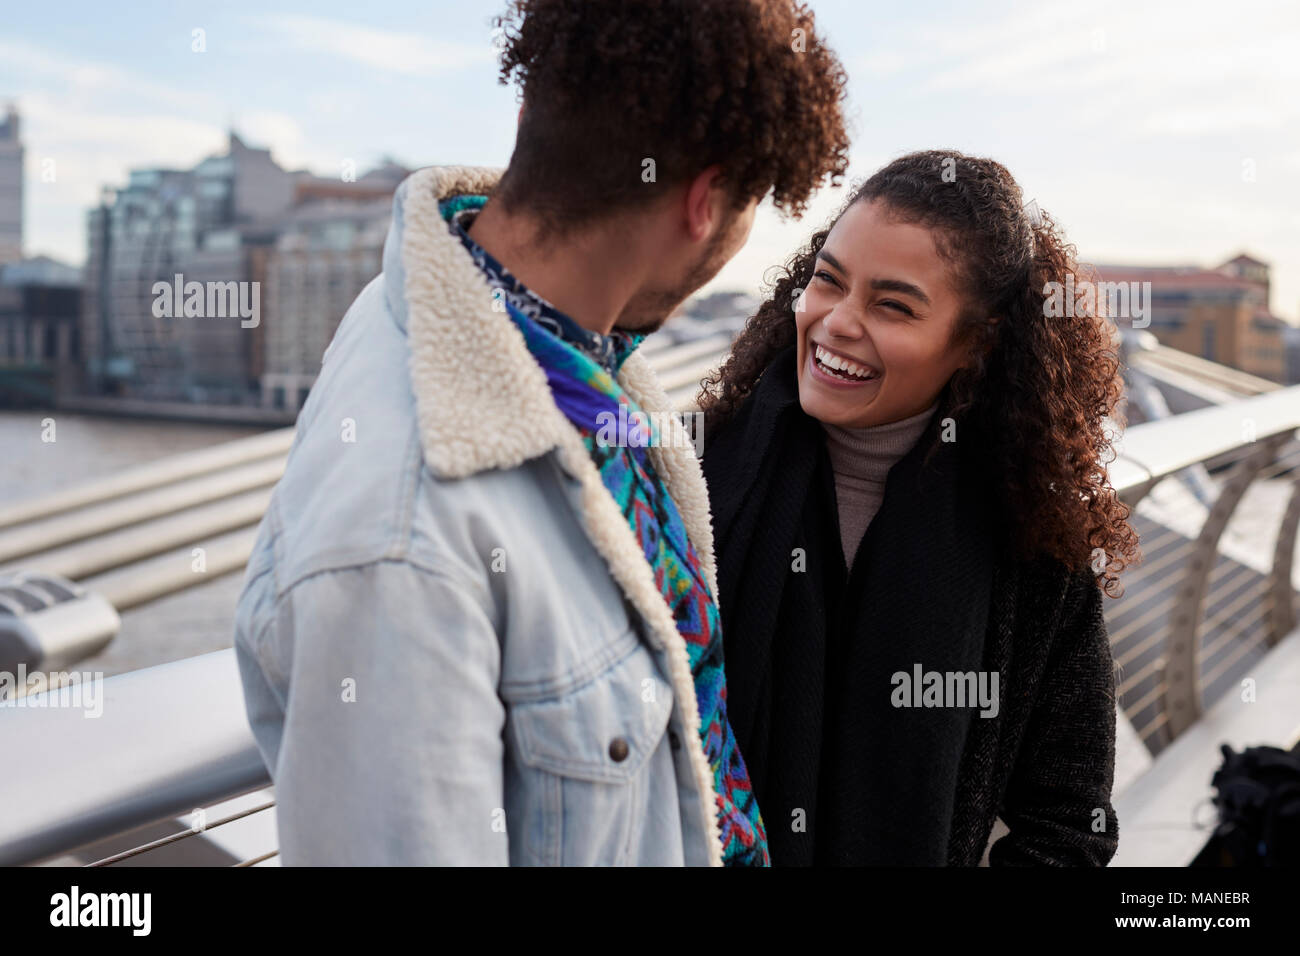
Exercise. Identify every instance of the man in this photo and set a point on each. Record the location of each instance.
(473, 630)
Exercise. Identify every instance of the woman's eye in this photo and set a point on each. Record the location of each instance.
(825, 276)
(898, 306)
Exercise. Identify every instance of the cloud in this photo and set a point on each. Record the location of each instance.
(1213, 118)
(90, 123)
(878, 63)
(1117, 57)
(83, 80)
(386, 50)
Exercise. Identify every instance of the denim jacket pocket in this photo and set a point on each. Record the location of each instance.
(585, 758)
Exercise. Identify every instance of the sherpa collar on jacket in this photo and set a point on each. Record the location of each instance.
(483, 402)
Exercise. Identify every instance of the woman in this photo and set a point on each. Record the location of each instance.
(904, 458)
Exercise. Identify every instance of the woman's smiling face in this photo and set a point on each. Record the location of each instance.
(874, 322)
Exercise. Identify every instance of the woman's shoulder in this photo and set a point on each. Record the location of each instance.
(1047, 582)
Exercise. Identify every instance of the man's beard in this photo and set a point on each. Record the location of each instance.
(649, 309)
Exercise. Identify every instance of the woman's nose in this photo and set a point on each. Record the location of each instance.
(843, 322)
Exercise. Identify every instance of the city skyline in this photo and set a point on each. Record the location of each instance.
(1196, 155)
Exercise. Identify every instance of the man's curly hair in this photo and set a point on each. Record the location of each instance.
(1034, 398)
(609, 84)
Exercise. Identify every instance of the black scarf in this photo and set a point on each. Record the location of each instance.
(841, 775)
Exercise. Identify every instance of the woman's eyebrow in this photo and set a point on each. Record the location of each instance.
(832, 260)
(881, 285)
(898, 285)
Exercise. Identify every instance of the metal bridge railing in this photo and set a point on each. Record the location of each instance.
(1212, 593)
(166, 740)
(132, 537)
(1196, 610)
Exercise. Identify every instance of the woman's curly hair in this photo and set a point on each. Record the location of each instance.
(1038, 389)
(610, 84)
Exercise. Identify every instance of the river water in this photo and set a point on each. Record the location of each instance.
(190, 622)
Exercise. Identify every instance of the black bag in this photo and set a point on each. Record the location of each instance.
(1259, 809)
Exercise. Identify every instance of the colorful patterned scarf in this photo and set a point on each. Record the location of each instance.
(591, 398)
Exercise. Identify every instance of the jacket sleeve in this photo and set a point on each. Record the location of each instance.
(1057, 806)
(391, 751)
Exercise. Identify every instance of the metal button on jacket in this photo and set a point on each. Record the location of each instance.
(618, 749)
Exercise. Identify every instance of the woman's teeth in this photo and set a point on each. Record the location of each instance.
(841, 368)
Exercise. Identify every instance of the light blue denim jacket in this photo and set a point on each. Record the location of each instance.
(452, 648)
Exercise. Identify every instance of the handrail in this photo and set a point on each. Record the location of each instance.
(153, 474)
(1224, 376)
(123, 512)
(167, 739)
(1150, 451)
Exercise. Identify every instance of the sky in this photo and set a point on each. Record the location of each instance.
(1157, 132)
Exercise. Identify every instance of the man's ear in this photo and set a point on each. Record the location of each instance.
(701, 217)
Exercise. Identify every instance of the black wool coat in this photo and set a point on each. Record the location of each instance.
(808, 654)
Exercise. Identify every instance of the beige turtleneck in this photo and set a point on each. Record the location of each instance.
(861, 459)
